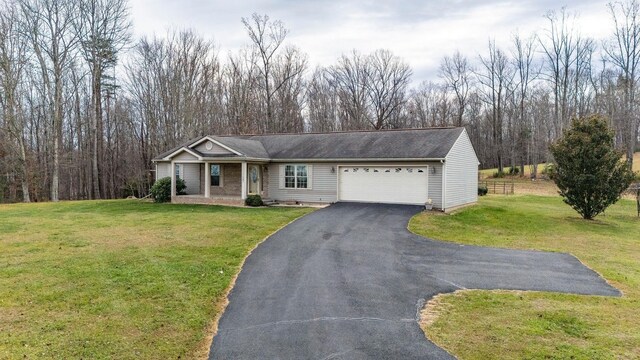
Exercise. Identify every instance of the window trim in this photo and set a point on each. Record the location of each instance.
(295, 177)
(219, 175)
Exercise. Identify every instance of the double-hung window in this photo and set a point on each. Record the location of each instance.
(215, 175)
(296, 177)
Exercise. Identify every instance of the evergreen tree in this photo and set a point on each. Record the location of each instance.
(588, 170)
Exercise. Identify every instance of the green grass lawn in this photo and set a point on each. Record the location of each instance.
(537, 325)
(120, 279)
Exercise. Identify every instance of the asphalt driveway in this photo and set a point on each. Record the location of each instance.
(348, 282)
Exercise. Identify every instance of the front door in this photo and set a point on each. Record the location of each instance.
(254, 179)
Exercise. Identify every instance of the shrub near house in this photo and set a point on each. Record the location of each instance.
(161, 190)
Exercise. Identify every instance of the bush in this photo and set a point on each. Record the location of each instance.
(514, 170)
(161, 190)
(253, 200)
(547, 171)
(498, 174)
(482, 190)
(588, 170)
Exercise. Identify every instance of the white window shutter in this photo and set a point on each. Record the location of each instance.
(281, 176)
(309, 176)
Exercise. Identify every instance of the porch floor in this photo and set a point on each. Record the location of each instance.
(201, 199)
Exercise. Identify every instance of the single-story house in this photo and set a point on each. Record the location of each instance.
(392, 166)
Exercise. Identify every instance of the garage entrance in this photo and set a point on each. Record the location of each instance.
(383, 184)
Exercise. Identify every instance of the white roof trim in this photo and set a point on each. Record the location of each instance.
(168, 157)
(217, 143)
(213, 160)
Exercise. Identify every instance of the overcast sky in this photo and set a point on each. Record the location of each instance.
(421, 32)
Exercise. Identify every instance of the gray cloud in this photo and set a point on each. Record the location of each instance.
(421, 32)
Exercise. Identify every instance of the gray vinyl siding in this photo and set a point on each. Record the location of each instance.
(324, 185)
(461, 173)
(191, 174)
(163, 170)
(184, 156)
(435, 185)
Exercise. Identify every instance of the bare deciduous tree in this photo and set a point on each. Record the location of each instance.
(456, 72)
(13, 59)
(73, 126)
(322, 103)
(388, 79)
(267, 36)
(350, 76)
(103, 29)
(496, 75)
(623, 50)
(559, 46)
(48, 25)
(525, 73)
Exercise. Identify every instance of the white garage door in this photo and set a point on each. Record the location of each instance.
(398, 185)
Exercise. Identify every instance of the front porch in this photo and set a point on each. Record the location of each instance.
(219, 182)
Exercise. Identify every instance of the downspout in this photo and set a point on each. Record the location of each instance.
(444, 186)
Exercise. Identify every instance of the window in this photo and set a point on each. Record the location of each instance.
(178, 171)
(301, 176)
(295, 177)
(215, 175)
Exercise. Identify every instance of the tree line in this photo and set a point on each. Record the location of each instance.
(85, 107)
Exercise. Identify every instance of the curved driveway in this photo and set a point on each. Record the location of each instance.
(348, 282)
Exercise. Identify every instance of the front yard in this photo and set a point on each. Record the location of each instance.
(120, 279)
(537, 325)
(130, 280)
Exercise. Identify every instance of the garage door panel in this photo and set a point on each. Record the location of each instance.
(401, 185)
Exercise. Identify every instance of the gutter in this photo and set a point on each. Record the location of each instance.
(441, 160)
(214, 159)
(358, 160)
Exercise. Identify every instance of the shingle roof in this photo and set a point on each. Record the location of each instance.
(247, 147)
(431, 143)
(393, 144)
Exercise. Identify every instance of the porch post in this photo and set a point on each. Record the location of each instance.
(173, 180)
(244, 180)
(207, 180)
